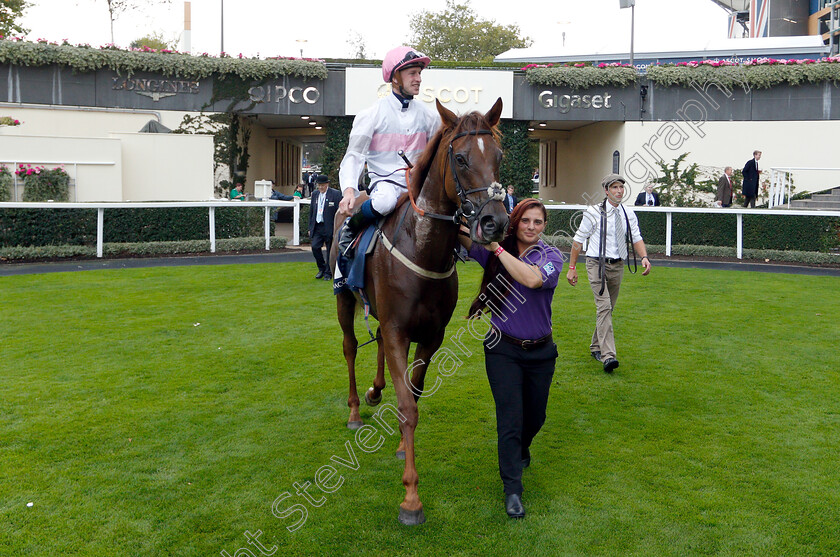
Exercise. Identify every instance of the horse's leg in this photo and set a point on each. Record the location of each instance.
(373, 396)
(401, 447)
(423, 353)
(346, 309)
(396, 349)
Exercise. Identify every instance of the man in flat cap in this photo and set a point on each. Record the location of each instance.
(608, 227)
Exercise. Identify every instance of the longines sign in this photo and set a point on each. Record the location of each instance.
(155, 89)
(458, 90)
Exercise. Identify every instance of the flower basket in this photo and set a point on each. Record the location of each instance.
(9, 121)
(6, 183)
(40, 184)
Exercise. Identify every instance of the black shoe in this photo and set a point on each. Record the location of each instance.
(319, 275)
(327, 276)
(610, 364)
(597, 355)
(513, 506)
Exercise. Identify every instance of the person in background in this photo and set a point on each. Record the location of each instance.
(751, 175)
(648, 197)
(510, 200)
(236, 192)
(277, 196)
(322, 211)
(310, 184)
(606, 227)
(520, 276)
(723, 196)
(298, 191)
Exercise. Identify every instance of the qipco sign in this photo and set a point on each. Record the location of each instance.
(280, 93)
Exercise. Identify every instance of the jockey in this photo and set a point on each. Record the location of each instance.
(394, 123)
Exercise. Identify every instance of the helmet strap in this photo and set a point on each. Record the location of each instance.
(397, 88)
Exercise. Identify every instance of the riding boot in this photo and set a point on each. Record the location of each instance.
(355, 224)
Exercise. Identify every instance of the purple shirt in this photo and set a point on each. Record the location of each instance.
(525, 312)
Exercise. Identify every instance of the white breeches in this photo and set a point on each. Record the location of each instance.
(384, 197)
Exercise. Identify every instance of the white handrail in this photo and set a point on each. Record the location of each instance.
(714, 211)
(16, 165)
(781, 181)
(211, 206)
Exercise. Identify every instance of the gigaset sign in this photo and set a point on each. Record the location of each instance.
(565, 103)
(277, 93)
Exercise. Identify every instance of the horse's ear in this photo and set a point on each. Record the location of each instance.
(494, 113)
(448, 117)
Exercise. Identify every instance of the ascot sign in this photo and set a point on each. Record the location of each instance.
(461, 91)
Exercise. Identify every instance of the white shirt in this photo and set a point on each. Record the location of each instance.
(378, 133)
(590, 229)
(649, 199)
(322, 197)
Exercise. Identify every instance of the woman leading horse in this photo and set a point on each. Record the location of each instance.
(410, 281)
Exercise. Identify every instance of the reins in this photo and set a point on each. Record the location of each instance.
(466, 208)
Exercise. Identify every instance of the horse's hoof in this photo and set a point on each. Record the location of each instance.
(401, 455)
(370, 400)
(412, 518)
(354, 424)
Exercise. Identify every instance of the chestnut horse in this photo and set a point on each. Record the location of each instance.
(410, 280)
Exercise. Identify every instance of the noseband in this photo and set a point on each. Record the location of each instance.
(467, 208)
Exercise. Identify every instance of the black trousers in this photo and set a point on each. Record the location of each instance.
(321, 237)
(749, 201)
(520, 380)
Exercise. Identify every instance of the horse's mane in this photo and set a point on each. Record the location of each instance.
(468, 122)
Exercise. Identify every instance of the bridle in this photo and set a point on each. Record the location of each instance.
(466, 208)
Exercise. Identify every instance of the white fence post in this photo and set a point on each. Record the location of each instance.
(100, 230)
(668, 233)
(267, 224)
(212, 229)
(296, 223)
(740, 234)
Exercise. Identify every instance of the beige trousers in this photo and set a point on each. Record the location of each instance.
(603, 339)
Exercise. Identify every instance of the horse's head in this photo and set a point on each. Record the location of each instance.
(471, 176)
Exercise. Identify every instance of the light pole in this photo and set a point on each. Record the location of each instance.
(301, 42)
(632, 5)
(563, 33)
(223, 26)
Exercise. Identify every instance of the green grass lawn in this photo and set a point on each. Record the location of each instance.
(162, 412)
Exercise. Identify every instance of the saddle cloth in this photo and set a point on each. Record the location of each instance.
(350, 273)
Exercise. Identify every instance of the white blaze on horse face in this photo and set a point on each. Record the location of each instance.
(481, 145)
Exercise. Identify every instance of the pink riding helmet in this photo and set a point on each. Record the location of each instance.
(400, 58)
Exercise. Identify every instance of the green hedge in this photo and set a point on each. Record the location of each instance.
(45, 227)
(19, 253)
(83, 59)
(47, 185)
(761, 232)
(6, 183)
